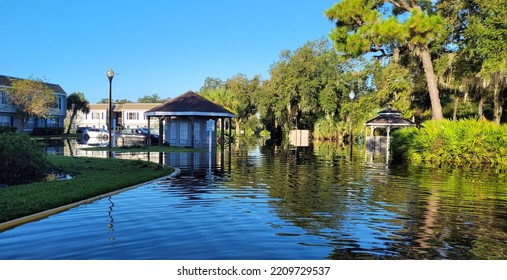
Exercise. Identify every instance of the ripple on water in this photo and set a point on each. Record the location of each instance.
(282, 206)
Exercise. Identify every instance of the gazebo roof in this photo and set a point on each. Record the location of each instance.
(389, 118)
(189, 104)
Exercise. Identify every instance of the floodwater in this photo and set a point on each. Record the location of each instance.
(269, 203)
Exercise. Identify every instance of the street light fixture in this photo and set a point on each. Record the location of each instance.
(352, 95)
(110, 76)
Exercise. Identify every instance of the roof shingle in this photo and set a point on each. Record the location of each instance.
(189, 103)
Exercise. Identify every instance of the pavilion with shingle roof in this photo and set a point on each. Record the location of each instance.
(183, 120)
(388, 119)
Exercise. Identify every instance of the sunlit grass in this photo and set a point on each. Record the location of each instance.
(463, 143)
(90, 177)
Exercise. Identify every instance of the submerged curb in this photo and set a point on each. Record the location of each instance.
(38, 216)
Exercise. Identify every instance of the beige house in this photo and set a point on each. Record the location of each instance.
(131, 115)
(128, 115)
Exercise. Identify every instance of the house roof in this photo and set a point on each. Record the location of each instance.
(135, 106)
(389, 117)
(124, 106)
(98, 106)
(189, 104)
(7, 81)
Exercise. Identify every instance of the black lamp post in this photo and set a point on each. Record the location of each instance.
(110, 75)
(352, 95)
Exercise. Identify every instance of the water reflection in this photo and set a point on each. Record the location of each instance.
(110, 224)
(272, 203)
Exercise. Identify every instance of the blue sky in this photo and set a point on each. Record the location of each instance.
(155, 46)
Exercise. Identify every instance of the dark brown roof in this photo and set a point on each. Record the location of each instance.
(389, 117)
(189, 104)
(6, 81)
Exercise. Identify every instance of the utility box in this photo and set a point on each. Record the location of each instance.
(299, 138)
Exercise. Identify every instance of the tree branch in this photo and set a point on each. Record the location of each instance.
(379, 49)
(401, 4)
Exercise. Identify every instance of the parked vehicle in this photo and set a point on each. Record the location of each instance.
(143, 131)
(127, 138)
(81, 129)
(94, 136)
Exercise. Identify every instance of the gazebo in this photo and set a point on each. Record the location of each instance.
(388, 119)
(183, 121)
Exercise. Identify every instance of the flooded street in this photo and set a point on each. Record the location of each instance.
(269, 203)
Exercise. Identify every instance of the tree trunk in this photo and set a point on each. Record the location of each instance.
(436, 106)
(480, 106)
(71, 120)
(238, 127)
(497, 105)
(455, 110)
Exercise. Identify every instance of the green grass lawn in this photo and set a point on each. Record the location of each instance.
(91, 177)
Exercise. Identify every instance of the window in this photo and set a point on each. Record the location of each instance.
(30, 123)
(5, 120)
(183, 132)
(95, 116)
(55, 103)
(4, 98)
(52, 122)
(60, 102)
(172, 132)
(197, 133)
(132, 115)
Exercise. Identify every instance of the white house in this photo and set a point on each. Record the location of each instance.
(96, 118)
(128, 115)
(9, 117)
(131, 115)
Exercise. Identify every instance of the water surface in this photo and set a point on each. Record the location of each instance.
(267, 203)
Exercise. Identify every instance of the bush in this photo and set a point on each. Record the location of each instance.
(8, 129)
(329, 129)
(22, 160)
(41, 131)
(265, 134)
(458, 143)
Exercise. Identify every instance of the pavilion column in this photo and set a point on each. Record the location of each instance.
(161, 130)
(388, 141)
(149, 134)
(230, 131)
(222, 126)
(192, 130)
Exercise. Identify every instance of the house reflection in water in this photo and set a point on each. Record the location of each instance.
(195, 164)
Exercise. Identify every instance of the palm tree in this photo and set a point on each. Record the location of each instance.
(76, 102)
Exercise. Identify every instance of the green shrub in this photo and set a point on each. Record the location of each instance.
(40, 131)
(328, 129)
(21, 159)
(8, 129)
(458, 143)
(265, 134)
